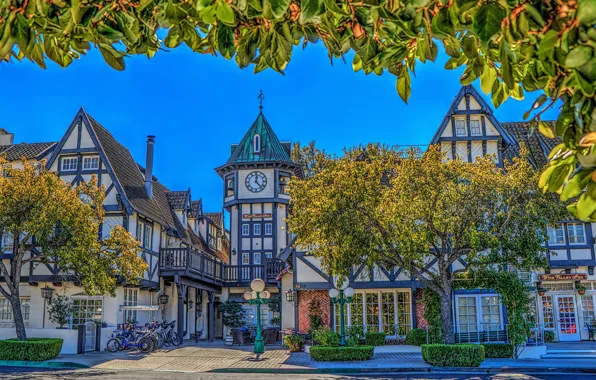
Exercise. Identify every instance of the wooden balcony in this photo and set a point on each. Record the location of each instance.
(189, 263)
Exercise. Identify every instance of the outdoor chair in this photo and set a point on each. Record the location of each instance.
(269, 336)
(238, 337)
(591, 332)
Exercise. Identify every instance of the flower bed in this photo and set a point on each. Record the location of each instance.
(33, 349)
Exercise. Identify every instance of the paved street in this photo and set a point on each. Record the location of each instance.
(93, 374)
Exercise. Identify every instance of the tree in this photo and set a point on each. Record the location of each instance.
(54, 223)
(310, 158)
(417, 211)
(512, 46)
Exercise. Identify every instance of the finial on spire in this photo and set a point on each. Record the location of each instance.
(261, 97)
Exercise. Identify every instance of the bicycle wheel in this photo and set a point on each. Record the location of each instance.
(145, 345)
(113, 345)
(155, 342)
(160, 340)
(174, 339)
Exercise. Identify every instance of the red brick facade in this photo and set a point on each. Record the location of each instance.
(305, 297)
(420, 321)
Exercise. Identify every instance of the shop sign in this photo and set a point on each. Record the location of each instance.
(251, 216)
(563, 277)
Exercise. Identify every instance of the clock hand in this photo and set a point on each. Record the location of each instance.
(259, 183)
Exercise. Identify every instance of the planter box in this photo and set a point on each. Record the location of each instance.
(69, 337)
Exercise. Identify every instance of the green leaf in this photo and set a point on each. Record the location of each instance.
(356, 63)
(332, 6)
(487, 21)
(403, 86)
(488, 78)
(112, 56)
(545, 130)
(576, 185)
(499, 95)
(469, 46)
(225, 13)
(310, 10)
(173, 39)
(419, 3)
(558, 176)
(225, 41)
(587, 202)
(452, 47)
(578, 56)
(586, 12)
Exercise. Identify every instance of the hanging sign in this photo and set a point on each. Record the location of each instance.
(251, 216)
(563, 277)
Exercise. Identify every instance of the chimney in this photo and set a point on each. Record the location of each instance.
(6, 138)
(149, 166)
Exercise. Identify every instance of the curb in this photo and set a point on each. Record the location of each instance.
(44, 365)
(453, 370)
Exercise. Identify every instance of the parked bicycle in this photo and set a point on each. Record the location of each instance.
(146, 338)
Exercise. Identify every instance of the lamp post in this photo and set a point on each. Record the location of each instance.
(257, 297)
(342, 294)
(46, 293)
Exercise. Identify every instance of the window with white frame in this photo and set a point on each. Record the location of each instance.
(69, 164)
(7, 242)
(140, 231)
(256, 229)
(250, 315)
(245, 258)
(576, 233)
(91, 162)
(257, 144)
(460, 127)
(467, 314)
(256, 258)
(86, 309)
(245, 229)
(268, 255)
(491, 313)
(548, 315)
(268, 228)
(476, 313)
(475, 128)
(148, 237)
(556, 235)
(6, 309)
(588, 309)
(131, 298)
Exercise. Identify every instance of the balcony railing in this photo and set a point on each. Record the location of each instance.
(214, 270)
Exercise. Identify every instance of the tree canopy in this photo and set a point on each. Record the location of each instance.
(417, 211)
(53, 223)
(513, 46)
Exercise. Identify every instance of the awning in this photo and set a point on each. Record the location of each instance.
(140, 307)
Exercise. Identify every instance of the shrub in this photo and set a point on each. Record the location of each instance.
(549, 336)
(498, 350)
(32, 349)
(232, 314)
(354, 334)
(416, 337)
(375, 338)
(341, 354)
(294, 342)
(324, 336)
(60, 310)
(453, 355)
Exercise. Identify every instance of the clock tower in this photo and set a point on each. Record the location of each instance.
(255, 194)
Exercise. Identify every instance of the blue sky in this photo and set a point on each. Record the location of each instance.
(197, 105)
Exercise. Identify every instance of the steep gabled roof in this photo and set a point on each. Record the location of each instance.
(538, 145)
(271, 148)
(177, 199)
(29, 151)
(196, 208)
(216, 217)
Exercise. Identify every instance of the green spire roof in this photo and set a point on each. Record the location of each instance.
(271, 149)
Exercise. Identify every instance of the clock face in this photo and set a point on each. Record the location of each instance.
(255, 181)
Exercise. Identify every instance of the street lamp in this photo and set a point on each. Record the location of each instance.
(46, 293)
(341, 294)
(257, 297)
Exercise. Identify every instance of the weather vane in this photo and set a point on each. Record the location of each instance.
(261, 97)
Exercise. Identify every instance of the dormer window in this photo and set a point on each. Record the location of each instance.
(257, 144)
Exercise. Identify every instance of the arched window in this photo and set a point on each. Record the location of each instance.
(257, 144)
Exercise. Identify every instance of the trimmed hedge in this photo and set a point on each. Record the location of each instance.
(453, 355)
(33, 349)
(341, 354)
(498, 350)
(375, 338)
(416, 337)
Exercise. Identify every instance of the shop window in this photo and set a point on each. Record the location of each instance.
(548, 316)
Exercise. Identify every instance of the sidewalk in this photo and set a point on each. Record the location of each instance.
(219, 358)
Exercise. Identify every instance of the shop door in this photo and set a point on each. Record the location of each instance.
(568, 326)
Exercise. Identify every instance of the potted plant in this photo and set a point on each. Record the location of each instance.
(232, 315)
(581, 290)
(294, 342)
(100, 322)
(60, 311)
(541, 291)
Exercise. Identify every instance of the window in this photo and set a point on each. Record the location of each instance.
(388, 316)
(250, 315)
(140, 231)
(558, 286)
(284, 179)
(256, 229)
(7, 242)
(245, 258)
(268, 229)
(576, 233)
(256, 258)
(548, 316)
(475, 128)
(372, 312)
(245, 229)
(477, 313)
(337, 324)
(460, 127)
(229, 186)
(466, 307)
(6, 309)
(268, 255)
(404, 323)
(131, 298)
(588, 309)
(91, 162)
(491, 313)
(69, 164)
(556, 235)
(257, 144)
(356, 311)
(147, 239)
(86, 309)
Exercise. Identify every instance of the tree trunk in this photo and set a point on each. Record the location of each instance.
(447, 316)
(15, 302)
